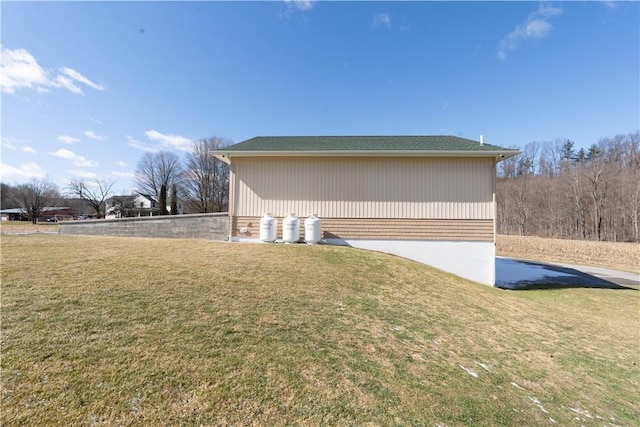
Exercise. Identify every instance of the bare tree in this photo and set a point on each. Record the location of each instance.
(528, 161)
(508, 167)
(93, 192)
(34, 196)
(146, 175)
(550, 158)
(632, 184)
(554, 189)
(206, 179)
(634, 149)
(157, 169)
(601, 173)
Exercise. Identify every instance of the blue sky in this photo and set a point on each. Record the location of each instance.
(88, 88)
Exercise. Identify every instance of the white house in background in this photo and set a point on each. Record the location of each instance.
(136, 205)
(427, 198)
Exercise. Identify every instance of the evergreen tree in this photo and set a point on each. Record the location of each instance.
(568, 152)
(162, 200)
(174, 199)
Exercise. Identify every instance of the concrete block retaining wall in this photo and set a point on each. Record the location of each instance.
(200, 226)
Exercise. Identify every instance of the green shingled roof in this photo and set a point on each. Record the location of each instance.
(360, 143)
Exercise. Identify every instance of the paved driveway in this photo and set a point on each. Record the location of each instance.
(518, 274)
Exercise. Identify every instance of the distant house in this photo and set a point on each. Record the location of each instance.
(136, 205)
(51, 213)
(427, 198)
(13, 214)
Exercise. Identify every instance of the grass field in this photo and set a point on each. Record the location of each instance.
(25, 227)
(126, 331)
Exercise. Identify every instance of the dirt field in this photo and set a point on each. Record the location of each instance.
(620, 256)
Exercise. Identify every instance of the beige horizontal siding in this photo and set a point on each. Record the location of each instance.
(383, 229)
(353, 187)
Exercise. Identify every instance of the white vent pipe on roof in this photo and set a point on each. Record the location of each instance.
(481, 140)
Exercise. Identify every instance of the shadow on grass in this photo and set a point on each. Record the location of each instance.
(523, 275)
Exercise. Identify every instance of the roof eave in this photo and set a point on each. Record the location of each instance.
(226, 156)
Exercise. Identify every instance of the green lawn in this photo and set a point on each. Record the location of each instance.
(126, 331)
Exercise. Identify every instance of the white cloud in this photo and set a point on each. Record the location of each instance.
(303, 5)
(77, 159)
(121, 164)
(382, 20)
(170, 141)
(80, 78)
(91, 134)
(292, 6)
(28, 149)
(20, 70)
(535, 27)
(84, 174)
(610, 4)
(17, 144)
(25, 170)
(126, 175)
(10, 143)
(141, 146)
(67, 83)
(547, 11)
(67, 139)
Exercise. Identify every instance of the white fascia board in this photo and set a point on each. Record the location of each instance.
(499, 155)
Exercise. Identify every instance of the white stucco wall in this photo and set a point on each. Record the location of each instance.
(472, 260)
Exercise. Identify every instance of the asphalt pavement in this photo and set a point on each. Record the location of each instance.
(519, 274)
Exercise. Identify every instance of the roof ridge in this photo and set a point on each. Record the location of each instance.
(360, 136)
(364, 144)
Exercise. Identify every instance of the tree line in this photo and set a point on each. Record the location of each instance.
(200, 180)
(552, 189)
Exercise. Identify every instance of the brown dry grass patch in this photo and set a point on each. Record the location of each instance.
(24, 227)
(621, 256)
(127, 331)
